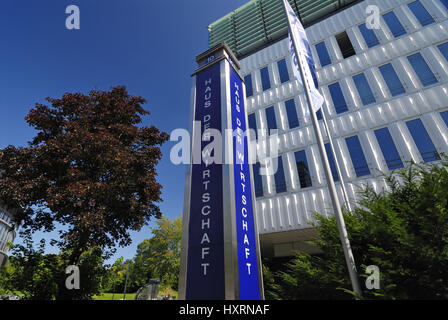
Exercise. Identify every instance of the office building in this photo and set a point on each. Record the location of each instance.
(7, 232)
(386, 93)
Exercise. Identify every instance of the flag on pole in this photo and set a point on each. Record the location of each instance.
(303, 66)
(297, 35)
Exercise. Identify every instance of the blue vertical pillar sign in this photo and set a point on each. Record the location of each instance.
(249, 288)
(220, 256)
(205, 272)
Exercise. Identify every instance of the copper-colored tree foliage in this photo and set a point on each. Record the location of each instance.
(91, 167)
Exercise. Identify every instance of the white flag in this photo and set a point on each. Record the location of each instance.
(297, 35)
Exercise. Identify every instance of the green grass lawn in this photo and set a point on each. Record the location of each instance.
(116, 296)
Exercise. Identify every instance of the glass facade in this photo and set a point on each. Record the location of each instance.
(303, 169)
(283, 71)
(388, 148)
(279, 177)
(258, 180)
(338, 98)
(249, 88)
(330, 158)
(253, 126)
(423, 141)
(265, 79)
(422, 70)
(444, 116)
(444, 49)
(445, 3)
(421, 13)
(364, 90)
(369, 36)
(357, 155)
(394, 24)
(322, 52)
(291, 112)
(271, 119)
(392, 81)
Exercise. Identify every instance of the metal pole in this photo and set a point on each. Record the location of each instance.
(331, 186)
(126, 282)
(336, 163)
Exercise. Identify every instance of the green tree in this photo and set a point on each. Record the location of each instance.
(39, 276)
(159, 256)
(403, 230)
(115, 276)
(31, 273)
(92, 273)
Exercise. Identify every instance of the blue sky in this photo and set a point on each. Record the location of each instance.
(149, 46)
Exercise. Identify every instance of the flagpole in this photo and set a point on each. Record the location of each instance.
(331, 186)
(336, 162)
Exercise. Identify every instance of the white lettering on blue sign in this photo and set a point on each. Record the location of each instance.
(240, 160)
(206, 178)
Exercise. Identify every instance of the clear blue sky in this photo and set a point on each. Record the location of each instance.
(149, 46)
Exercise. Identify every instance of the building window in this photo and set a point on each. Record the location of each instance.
(445, 3)
(421, 13)
(394, 24)
(444, 116)
(253, 126)
(249, 88)
(283, 71)
(291, 112)
(422, 70)
(330, 157)
(303, 169)
(265, 80)
(392, 81)
(388, 148)
(369, 36)
(444, 49)
(322, 52)
(345, 45)
(423, 141)
(279, 177)
(271, 119)
(364, 90)
(258, 180)
(357, 155)
(338, 98)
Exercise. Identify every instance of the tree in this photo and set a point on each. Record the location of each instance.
(159, 256)
(90, 167)
(39, 276)
(403, 230)
(31, 273)
(115, 276)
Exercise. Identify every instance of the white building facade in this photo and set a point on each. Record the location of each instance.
(386, 93)
(7, 233)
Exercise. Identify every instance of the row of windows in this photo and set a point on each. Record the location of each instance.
(265, 79)
(387, 145)
(395, 86)
(347, 49)
(395, 26)
(365, 92)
